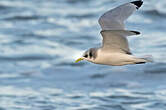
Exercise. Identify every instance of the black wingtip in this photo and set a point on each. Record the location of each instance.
(137, 3)
(136, 32)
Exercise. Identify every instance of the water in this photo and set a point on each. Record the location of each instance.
(40, 39)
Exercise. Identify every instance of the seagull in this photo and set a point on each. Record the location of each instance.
(115, 49)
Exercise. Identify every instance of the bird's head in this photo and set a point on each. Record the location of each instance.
(88, 55)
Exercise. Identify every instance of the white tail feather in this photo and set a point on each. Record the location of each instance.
(148, 58)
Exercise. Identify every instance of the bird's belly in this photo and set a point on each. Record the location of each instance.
(114, 59)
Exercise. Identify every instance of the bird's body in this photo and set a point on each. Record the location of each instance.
(115, 58)
(115, 49)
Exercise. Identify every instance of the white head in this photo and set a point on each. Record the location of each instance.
(89, 55)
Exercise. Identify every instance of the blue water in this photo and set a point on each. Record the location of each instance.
(40, 39)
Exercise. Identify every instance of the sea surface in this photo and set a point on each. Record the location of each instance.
(40, 40)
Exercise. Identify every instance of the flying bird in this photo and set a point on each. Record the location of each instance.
(115, 49)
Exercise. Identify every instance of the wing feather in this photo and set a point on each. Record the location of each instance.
(113, 28)
(114, 19)
(116, 40)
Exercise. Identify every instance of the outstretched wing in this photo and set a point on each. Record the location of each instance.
(113, 29)
(114, 19)
(116, 41)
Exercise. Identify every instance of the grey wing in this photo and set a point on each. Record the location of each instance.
(114, 19)
(116, 40)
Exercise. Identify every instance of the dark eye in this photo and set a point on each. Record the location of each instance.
(90, 54)
(86, 56)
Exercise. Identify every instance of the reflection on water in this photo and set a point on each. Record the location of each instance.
(39, 41)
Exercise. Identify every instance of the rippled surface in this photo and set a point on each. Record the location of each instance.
(40, 39)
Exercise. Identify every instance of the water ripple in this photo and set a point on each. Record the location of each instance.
(39, 41)
(155, 12)
(22, 18)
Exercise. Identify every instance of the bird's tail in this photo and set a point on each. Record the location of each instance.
(144, 59)
(148, 58)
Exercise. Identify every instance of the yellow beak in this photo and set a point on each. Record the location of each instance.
(78, 60)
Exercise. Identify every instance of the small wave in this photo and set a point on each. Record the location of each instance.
(112, 107)
(154, 12)
(81, 16)
(70, 64)
(24, 57)
(158, 68)
(96, 76)
(15, 3)
(125, 97)
(77, 1)
(2, 7)
(49, 32)
(23, 18)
